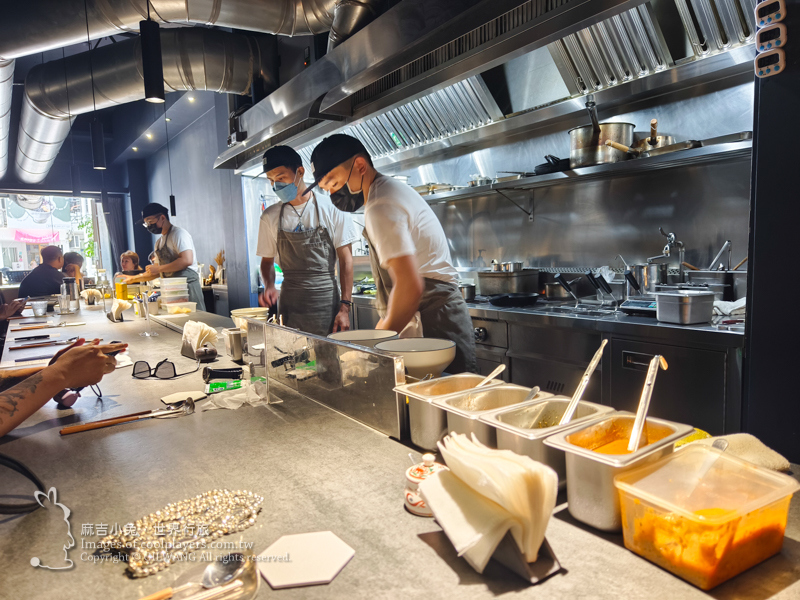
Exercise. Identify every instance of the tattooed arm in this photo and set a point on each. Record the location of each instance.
(78, 367)
(11, 377)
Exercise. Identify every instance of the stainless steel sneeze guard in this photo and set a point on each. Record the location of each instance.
(353, 380)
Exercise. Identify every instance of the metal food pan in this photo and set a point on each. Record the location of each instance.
(591, 495)
(427, 421)
(464, 410)
(523, 428)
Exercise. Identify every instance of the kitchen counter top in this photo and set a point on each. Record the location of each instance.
(317, 469)
(617, 324)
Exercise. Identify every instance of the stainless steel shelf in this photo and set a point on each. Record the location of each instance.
(704, 154)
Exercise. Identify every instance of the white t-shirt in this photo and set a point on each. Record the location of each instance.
(339, 225)
(400, 223)
(179, 240)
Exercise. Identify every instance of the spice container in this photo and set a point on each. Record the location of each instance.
(427, 422)
(416, 475)
(465, 409)
(523, 428)
(591, 495)
(704, 515)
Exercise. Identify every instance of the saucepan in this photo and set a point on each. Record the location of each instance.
(587, 144)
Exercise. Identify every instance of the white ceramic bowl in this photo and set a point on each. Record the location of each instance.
(364, 337)
(240, 314)
(422, 355)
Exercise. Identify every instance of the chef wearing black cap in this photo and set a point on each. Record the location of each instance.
(409, 254)
(306, 235)
(175, 253)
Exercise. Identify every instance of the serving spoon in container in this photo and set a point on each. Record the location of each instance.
(576, 397)
(491, 376)
(644, 402)
(219, 573)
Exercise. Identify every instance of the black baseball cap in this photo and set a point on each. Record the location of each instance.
(281, 156)
(333, 151)
(152, 209)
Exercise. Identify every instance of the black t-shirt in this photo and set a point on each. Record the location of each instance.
(44, 280)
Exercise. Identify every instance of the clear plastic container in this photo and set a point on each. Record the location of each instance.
(174, 299)
(181, 308)
(184, 291)
(173, 282)
(704, 515)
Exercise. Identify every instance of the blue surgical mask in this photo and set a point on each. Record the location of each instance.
(286, 192)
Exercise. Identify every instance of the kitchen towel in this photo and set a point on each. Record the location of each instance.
(736, 308)
(750, 448)
(496, 491)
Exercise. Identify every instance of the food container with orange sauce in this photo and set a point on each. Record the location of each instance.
(591, 495)
(704, 515)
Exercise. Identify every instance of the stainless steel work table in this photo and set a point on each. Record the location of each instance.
(317, 470)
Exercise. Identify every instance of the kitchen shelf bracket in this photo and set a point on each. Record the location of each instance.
(528, 211)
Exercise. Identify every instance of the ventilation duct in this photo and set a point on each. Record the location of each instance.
(55, 92)
(33, 27)
(6, 87)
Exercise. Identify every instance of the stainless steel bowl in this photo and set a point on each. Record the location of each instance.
(523, 428)
(465, 409)
(427, 421)
(512, 267)
(591, 495)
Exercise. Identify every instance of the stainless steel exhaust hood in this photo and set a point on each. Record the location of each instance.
(487, 80)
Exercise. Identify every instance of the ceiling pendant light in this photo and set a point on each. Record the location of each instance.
(152, 69)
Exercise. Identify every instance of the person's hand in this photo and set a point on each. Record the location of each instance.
(153, 269)
(342, 320)
(12, 309)
(269, 297)
(85, 365)
(104, 348)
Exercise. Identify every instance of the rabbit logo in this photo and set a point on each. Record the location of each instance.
(53, 497)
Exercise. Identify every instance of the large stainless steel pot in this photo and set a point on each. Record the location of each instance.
(514, 282)
(555, 291)
(734, 282)
(648, 277)
(587, 144)
(467, 291)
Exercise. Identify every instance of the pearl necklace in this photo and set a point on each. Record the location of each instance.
(170, 534)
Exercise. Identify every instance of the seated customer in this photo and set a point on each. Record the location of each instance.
(44, 280)
(78, 366)
(72, 267)
(129, 261)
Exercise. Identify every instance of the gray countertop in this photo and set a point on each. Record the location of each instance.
(318, 471)
(616, 324)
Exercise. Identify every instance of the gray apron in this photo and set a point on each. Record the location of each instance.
(309, 299)
(166, 256)
(442, 310)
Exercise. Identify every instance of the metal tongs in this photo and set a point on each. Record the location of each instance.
(576, 397)
(644, 402)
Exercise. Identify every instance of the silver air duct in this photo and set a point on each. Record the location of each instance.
(351, 16)
(33, 27)
(6, 87)
(57, 91)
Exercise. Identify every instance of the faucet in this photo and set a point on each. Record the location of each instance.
(667, 251)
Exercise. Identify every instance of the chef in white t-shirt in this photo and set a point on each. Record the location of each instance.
(410, 258)
(306, 236)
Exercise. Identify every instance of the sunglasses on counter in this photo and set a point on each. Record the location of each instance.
(163, 370)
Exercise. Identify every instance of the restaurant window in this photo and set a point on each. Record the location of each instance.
(30, 222)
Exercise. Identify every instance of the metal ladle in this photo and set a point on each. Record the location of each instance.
(532, 394)
(644, 402)
(223, 570)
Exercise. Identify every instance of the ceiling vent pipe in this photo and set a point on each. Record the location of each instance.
(6, 87)
(57, 91)
(32, 27)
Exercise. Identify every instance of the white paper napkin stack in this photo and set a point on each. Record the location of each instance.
(195, 334)
(487, 493)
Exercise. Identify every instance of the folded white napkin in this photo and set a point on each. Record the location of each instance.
(118, 306)
(730, 308)
(750, 448)
(494, 491)
(195, 334)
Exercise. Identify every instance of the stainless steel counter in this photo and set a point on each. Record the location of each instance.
(618, 324)
(318, 471)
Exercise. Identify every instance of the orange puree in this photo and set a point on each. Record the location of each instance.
(615, 447)
(704, 553)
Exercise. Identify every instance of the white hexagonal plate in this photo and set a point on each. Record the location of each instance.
(304, 559)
